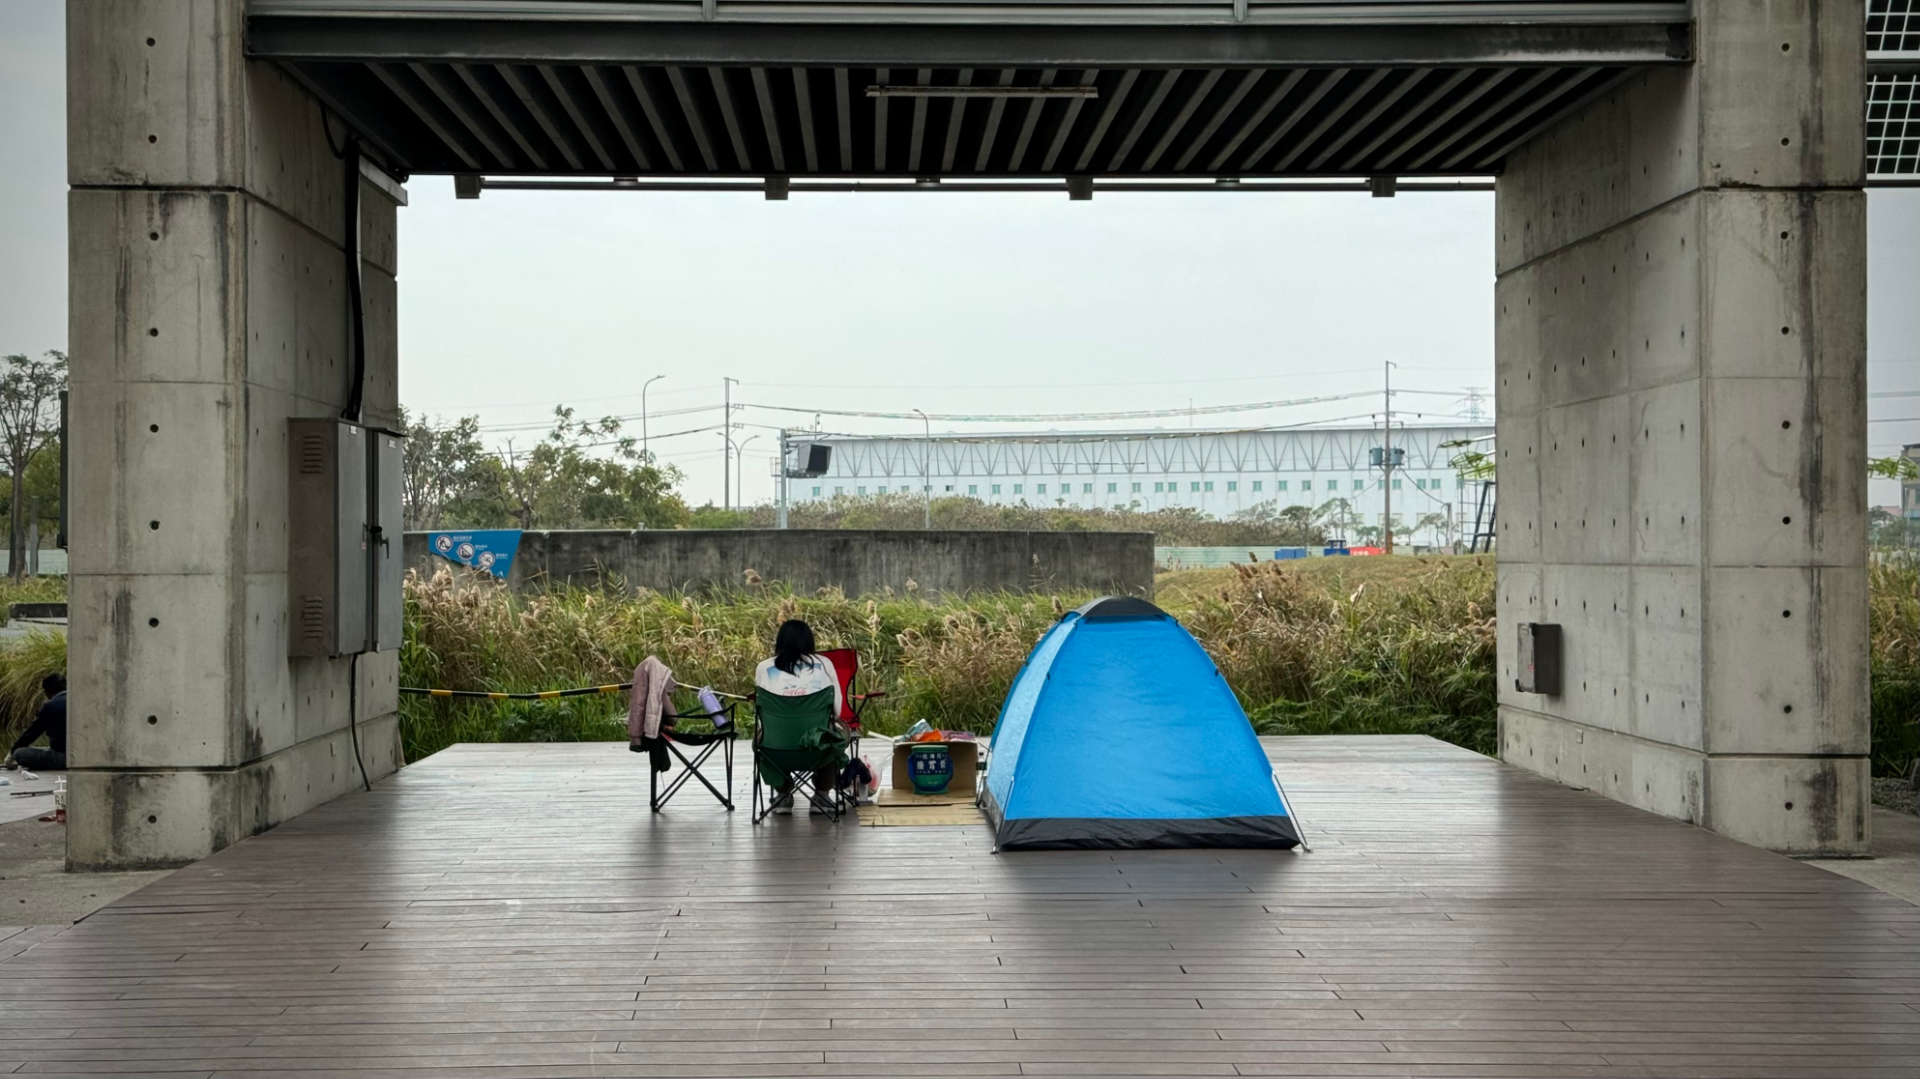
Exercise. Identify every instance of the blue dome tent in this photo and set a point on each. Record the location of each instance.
(1119, 731)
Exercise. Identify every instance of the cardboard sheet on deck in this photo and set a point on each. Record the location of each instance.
(893, 808)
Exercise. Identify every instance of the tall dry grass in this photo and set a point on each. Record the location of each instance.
(1331, 645)
(1893, 634)
(23, 663)
(1358, 646)
(1399, 648)
(946, 663)
(1375, 645)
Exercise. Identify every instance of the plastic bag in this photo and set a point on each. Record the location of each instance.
(920, 727)
(857, 781)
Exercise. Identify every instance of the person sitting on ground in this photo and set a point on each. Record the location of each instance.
(52, 722)
(796, 670)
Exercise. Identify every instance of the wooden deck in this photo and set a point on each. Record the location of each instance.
(500, 912)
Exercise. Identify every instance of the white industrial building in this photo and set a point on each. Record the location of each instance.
(1219, 472)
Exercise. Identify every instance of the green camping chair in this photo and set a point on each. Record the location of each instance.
(794, 737)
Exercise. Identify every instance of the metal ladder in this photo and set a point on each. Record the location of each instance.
(1483, 513)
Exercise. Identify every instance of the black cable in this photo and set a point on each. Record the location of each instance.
(357, 332)
(356, 314)
(326, 129)
(353, 716)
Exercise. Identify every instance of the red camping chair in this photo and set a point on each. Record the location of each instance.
(846, 668)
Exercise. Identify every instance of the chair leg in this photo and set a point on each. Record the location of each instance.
(690, 769)
(774, 799)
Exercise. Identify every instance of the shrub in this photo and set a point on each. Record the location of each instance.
(23, 663)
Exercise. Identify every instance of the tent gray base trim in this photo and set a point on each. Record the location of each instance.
(1112, 833)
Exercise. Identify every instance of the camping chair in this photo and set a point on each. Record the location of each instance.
(701, 745)
(853, 704)
(793, 737)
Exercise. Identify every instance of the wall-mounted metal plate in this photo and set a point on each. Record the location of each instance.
(1539, 659)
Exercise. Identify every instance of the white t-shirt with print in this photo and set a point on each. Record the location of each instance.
(810, 675)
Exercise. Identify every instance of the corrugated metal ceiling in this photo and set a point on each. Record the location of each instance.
(1162, 90)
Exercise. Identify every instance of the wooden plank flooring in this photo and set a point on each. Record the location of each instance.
(513, 912)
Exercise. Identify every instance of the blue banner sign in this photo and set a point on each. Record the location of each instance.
(490, 549)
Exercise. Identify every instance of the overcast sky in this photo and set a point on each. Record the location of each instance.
(947, 303)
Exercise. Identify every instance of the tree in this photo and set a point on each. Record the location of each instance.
(583, 474)
(1901, 468)
(1435, 523)
(42, 490)
(450, 478)
(1337, 512)
(1263, 523)
(29, 419)
(1474, 465)
(1889, 530)
(560, 483)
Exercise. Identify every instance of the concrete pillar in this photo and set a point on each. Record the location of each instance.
(208, 306)
(1681, 359)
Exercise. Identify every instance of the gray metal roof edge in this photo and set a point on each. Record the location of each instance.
(1164, 12)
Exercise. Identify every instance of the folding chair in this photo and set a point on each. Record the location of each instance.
(853, 704)
(794, 737)
(702, 744)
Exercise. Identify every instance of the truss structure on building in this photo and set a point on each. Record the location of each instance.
(1893, 91)
(1305, 451)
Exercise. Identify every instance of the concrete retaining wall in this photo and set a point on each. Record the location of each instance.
(857, 562)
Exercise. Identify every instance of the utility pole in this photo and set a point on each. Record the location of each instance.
(643, 412)
(1386, 463)
(726, 442)
(926, 473)
(780, 516)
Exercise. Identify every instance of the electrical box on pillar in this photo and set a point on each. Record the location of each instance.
(389, 562)
(1538, 661)
(344, 527)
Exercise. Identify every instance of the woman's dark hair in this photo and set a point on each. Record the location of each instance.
(53, 684)
(792, 644)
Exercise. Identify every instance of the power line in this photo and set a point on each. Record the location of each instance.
(680, 391)
(1103, 384)
(627, 441)
(1061, 417)
(547, 424)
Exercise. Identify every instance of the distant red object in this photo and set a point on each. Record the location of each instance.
(1366, 550)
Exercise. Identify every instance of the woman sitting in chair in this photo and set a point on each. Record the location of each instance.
(795, 670)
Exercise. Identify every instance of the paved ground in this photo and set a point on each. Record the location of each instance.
(511, 912)
(26, 795)
(35, 887)
(1895, 865)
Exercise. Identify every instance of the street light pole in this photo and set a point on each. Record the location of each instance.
(740, 468)
(926, 472)
(643, 412)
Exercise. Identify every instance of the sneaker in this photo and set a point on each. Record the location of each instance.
(820, 810)
(784, 809)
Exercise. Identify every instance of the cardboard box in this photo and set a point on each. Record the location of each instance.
(966, 765)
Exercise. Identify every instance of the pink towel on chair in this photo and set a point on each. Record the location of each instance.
(647, 704)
